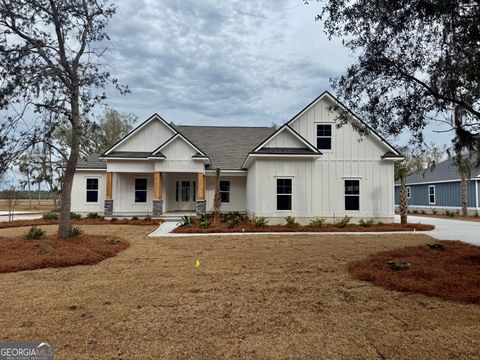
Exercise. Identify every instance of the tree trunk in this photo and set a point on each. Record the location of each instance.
(217, 199)
(403, 202)
(65, 198)
(464, 193)
(29, 190)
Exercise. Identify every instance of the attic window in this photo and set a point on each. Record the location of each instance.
(324, 136)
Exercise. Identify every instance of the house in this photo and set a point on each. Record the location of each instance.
(308, 168)
(439, 189)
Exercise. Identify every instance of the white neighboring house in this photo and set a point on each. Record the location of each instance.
(308, 168)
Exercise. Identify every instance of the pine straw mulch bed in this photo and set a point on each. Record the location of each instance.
(450, 274)
(83, 221)
(18, 253)
(247, 226)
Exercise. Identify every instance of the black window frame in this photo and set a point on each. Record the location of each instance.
(225, 192)
(352, 194)
(141, 191)
(324, 135)
(91, 188)
(284, 192)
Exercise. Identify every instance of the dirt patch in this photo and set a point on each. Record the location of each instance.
(253, 297)
(84, 221)
(247, 226)
(452, 273)
(18, 253)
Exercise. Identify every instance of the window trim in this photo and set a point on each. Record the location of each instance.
(86, 190)
(324, 137)
(408, 190)
(225, 191)
(345, 194)
(277, 194)
(135, 190)
(434, 195)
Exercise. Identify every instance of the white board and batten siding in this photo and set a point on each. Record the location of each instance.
(147, 138)
(238, 195)
(318, 185)
(79, 193)
(179, 158)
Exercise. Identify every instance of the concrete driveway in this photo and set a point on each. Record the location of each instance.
(20, 215)
(449, 229)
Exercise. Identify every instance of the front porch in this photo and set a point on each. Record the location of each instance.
(157, 194)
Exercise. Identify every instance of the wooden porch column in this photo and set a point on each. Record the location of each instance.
(201, 186)
(109, 186)
(157, 186)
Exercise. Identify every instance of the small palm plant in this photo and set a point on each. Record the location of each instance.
(217, 199)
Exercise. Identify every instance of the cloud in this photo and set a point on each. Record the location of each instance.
(220, 62)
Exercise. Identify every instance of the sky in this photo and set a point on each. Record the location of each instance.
(228, 62)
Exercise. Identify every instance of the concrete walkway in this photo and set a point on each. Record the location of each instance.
(20, 215)
(449, 229)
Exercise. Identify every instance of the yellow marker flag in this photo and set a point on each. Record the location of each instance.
(197, 264)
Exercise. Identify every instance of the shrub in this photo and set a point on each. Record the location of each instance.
(320, 222)
(259, 221)
(344, 222)
(366, 223)
(92, 215)
(380, 223)
(35, 233)
(204, 222)
(74, 231)
(50, 216)
(134, 217)
(414, 211)
(113, 220)
(476, 214)
(452, 214)
(232, 218)
(423, 212)
(75, 216)
(290, 221)
(147, 218)
(45, 250)
(447, 213)
(186, 221)
(434, 212)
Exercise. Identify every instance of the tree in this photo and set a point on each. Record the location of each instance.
(417, 61)
(98, 136)
(49, 52)
(217, 199)
(401, 173)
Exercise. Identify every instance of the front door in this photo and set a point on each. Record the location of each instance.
(185, 195)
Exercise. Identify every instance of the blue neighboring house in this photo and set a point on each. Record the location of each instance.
(439, 189)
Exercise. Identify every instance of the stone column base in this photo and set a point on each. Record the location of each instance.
(157, 208)
(108, 208)
(201, 207)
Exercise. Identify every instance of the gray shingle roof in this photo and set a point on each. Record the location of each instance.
(442, 171)
(226, 146)
(92, 162)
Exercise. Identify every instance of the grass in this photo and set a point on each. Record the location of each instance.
(451, 274)
(269, 297)
(82, 221)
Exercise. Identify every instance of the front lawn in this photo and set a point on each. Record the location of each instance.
(268, 297)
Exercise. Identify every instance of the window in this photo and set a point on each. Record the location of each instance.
(352, 194)
(92, 190)
(284, 194)
(225, 191)
(140, 190)
(324, 136)
(431, 194)
(409, 193)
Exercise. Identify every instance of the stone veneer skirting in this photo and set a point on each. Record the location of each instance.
(157, 208)
(201, 207)
(108, 208)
